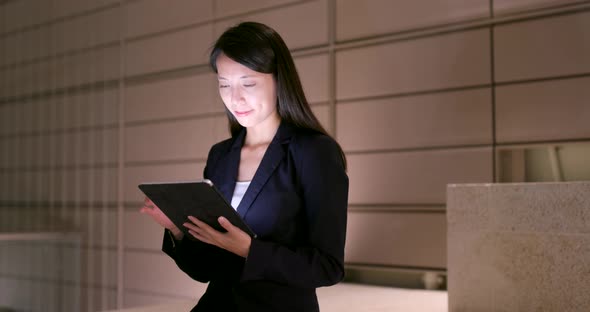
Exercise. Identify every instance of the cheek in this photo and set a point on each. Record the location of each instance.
(272, 106)
(224, 98)
(272, 100)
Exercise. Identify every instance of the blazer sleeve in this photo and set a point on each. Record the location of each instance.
(324, 185)
(192, 257)
(201, 261)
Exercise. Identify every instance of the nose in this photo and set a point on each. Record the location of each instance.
(236, 96)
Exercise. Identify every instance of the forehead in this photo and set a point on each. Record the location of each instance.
(227, 68)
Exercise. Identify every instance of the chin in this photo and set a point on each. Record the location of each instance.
(245, 123)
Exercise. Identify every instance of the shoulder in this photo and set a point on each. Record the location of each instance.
(218, 150)
(306, 139)
(318, 160)
(309, 145)
(221, 147)
(216, 154)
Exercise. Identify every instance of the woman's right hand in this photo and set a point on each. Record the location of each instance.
(157, 215)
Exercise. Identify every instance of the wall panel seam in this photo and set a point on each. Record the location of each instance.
(55, 281)
(377, 266)
(540, 79)
(423, 205)
(62, 91)
(166, 74)
(405, 35)
(145, 250)
(213, 21)
(108, 84)
(159, 294)
(59, 131)
(121, 84)
(458, 27)
(151, 163)
(59, 20)
(132, 39)
(68, 53)
(110, 248)
(168, 120)
(539, 143)
(203, 69)
(63, 204)
(98, 165)
(496, 84)
(331, 20)
(355, 210)
(384, 96)
(493, 96)
(417, 149)
(543, 11)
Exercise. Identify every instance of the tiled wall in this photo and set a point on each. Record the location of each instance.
(97, 96)
(59, 114)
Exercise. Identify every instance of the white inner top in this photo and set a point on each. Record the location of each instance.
(239, 192)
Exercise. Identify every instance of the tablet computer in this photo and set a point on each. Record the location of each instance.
(199, 199)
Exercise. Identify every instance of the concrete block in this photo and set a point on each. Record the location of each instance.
(518, 247)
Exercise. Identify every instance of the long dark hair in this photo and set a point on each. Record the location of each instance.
(262, 49)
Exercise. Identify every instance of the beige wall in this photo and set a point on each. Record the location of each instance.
(96, 96)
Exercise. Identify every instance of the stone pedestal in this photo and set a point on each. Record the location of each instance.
(519, 247)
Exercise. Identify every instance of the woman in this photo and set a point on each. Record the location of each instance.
(282, 173)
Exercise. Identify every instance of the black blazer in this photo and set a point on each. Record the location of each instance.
(296, 204)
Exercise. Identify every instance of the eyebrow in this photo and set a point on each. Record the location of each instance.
(245, 76)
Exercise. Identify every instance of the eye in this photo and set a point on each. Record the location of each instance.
(222, 86)
(249, 85)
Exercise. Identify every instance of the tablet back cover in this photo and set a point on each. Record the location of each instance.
(200, 199)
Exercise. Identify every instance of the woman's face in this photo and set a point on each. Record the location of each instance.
(249, 95)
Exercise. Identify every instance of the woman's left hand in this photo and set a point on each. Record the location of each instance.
(234, 240)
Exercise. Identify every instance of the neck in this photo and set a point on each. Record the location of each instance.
(263, 133)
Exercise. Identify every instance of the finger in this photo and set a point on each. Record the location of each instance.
(226, 224)
(146, 210)
(202, 225)
(194, 233)
(191, 226)
(200, 237)
(202, 234)
(148, 205)
(207, 233)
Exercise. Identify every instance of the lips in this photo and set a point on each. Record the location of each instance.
(243, 113)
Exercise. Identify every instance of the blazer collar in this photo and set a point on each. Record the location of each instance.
(274, 154)
(283, 135)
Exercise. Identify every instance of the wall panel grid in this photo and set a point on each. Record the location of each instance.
(418, 94)
(143, 65)
(145, 19)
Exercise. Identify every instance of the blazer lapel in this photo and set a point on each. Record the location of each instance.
(273, 156)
